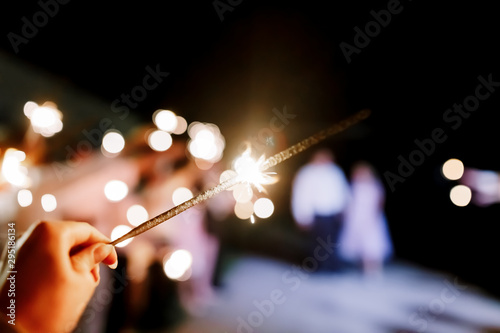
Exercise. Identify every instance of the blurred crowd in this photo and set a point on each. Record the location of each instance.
(174, 262)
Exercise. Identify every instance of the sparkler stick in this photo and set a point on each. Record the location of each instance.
(151, 223)
(268, 163)
(314, 139)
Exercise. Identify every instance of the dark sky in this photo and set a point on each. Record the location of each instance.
(409, 70)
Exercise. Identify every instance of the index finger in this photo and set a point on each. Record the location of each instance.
(81, 234)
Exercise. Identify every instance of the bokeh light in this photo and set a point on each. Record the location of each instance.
(181, 195)
(119, 231)
(12, 169)
(206, 142)
(203, 145)
(115, 190)
(263, 208)
(181, 127)
(49, 202)
(137, 214)
(28, 108)
(243, 210)
(453, 169)
(45, 119)
(165, 120)
(160, 140)
(113, 143)
(177, 266)
(203, 164)
(24, 197)
(484, 181)
(461, 195)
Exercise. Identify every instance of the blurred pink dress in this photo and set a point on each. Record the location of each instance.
(365, 235)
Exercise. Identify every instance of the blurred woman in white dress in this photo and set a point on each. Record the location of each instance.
(365, 239)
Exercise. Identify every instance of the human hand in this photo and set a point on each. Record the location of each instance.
(57, 273)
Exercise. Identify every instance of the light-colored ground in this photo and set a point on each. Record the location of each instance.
(261, 295)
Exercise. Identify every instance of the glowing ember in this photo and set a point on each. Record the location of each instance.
(250, 171)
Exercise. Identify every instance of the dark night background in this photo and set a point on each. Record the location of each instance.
(271, 54)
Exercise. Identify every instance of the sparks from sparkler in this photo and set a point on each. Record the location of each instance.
(250, 171)
(247, 171)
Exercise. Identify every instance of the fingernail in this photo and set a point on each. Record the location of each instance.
(114, 265)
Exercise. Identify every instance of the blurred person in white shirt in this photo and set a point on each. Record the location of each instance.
(320, 194)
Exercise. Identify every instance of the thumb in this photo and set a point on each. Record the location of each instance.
(87, 258)
(106, 254)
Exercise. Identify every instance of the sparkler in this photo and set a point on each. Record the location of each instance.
(252, 173)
